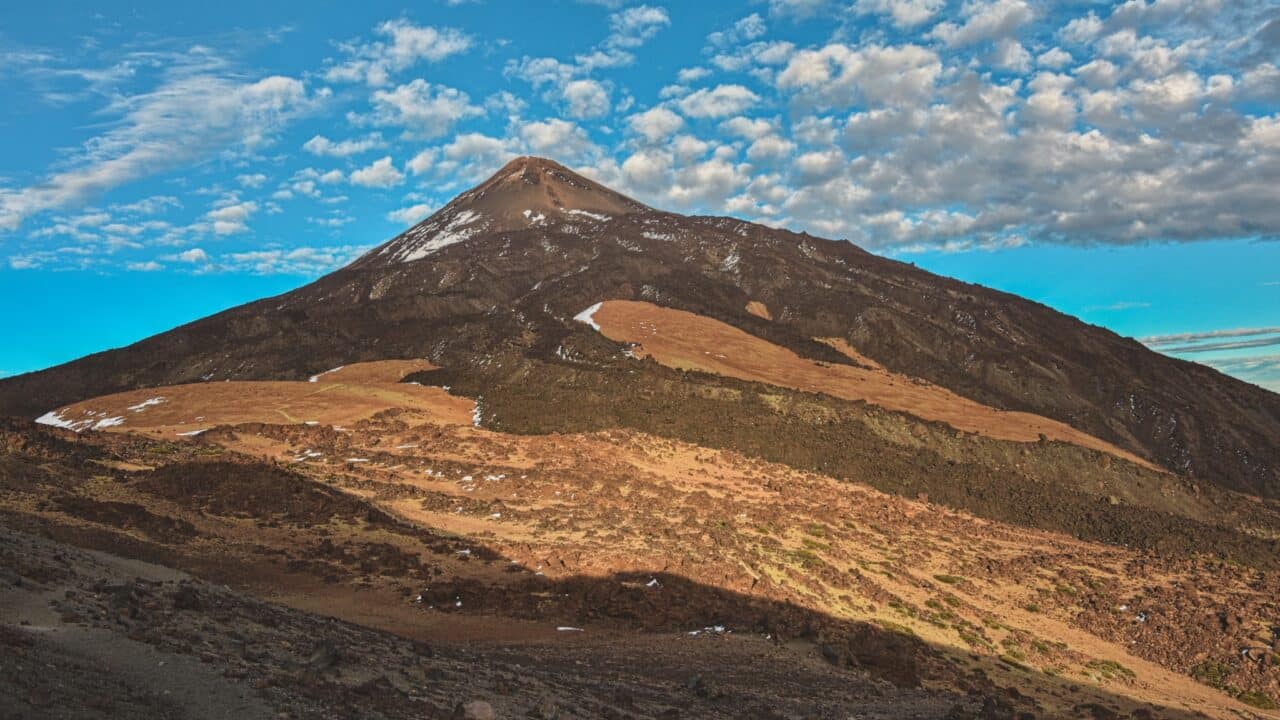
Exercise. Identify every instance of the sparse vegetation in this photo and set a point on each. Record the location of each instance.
(1110, 669)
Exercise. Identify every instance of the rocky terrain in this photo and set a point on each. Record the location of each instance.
(555, 454)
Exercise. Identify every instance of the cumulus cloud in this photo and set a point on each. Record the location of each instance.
(656, 123)
(194, 255)
(717, 102)
(570, 83)
(424, 110)
(586, 99)
(743, 31)
(321, 145)
(839, 75)
(302, 261)
(798, 9)
(410, 215)
(404, 45)
(230, 216)
(903, 13)
(979, 125)
(559, 138)
(984, 22)
(381, 173)
(422, 163)
(635, 25)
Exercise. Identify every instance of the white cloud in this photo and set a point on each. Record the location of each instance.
(255, 180)
(634, 25)
(717, 102)
(321, 145)
(985, 21)
(903, 13)
(796, 8)
(473, 156)
(770, 147)
(410, 215)
(230, 216)
(557, 138)
(382, 173)
(1082, 30)
(147, 266)
(743, 31)
(422, 109)
(692, 74)
(586, 99)
(304, 261)
(194, 255)
(187, 118)
(423, 162)
(1011, 55)
(1054, 58)
(406, 45)
(839, 75)
(749, 128)
(656, 123)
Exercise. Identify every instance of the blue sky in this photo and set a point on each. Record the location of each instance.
(1117, 161)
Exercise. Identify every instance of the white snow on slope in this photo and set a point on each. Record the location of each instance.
(460, 227)
(588, 316)
(316, 378)
(146, 404)
(585, 213)
(55, 419)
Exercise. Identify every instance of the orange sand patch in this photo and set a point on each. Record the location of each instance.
(692, 342)
(338, 397)
(377, 371)
(844, 348)
(757, 308)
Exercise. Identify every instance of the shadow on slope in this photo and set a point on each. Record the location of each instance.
(491, 589)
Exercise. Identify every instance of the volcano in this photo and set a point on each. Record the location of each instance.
(488, 286)
(555, 452)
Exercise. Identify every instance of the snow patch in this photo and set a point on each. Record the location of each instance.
(316, 378)
(588, 316)
(192, 433)
(146, 404)
(585, 213)
(55, 419)
(92, 421)
(108, 422)
(731, 262)
(461, 227)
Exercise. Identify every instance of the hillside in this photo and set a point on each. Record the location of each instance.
(566, 455)
(486, 287)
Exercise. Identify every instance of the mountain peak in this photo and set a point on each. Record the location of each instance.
(542, 185)
(527, 192)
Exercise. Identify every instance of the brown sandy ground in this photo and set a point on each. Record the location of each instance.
(684, 340)
(92, 635)
(619, 531)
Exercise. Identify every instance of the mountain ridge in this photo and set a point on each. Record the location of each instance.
(500, 289)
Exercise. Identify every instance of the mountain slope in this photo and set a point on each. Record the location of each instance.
(488, 288)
